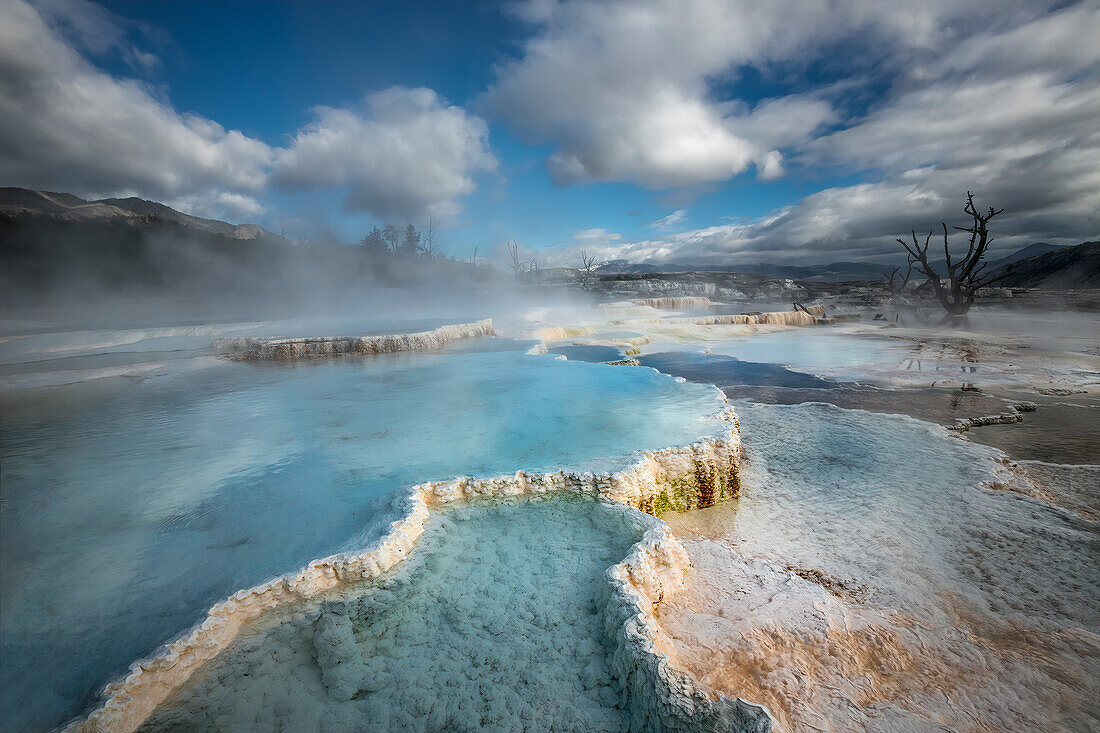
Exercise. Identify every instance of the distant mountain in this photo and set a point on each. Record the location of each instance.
(1060, 268)
(59, 248)
(622, 267)
(832, 272)
(1032, 250)
(15, 202)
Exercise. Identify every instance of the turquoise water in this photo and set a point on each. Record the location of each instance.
(496, 623)
(130, 505)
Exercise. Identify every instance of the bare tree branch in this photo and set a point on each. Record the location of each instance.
(964, 276)
(518, 265)
(589, 263)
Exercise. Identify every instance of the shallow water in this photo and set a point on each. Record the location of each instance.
(871, 579)
(495, 623)
(47, 355)
(863, 485)
(724, 371)
(130, 506)
(584, 352)
(1057, 432)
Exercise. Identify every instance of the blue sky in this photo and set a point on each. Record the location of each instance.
(703, 131)
(298, 55)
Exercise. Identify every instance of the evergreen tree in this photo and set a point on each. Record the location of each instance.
(411, 245)
(375, 241)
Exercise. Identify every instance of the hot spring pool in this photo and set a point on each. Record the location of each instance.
(131, 505)
(496, 622)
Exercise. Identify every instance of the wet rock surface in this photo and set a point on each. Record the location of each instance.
(873, 577)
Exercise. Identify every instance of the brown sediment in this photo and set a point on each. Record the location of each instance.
(826, 660)
(1060, 432)
(836, 586)
(861, 666)
(790, 671)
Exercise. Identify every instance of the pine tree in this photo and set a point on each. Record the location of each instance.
(411, 245)
(375, 241)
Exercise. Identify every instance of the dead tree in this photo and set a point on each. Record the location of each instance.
(964, 276)
(518, 265)
(896, 283)
(429, 247)
(589, 263)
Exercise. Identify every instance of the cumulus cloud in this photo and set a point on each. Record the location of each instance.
(629, 90)
(622, 89)
(219, 205)
(67, 125)
(1003, 103)
(93, 29)
(597, 236)
(403, 153)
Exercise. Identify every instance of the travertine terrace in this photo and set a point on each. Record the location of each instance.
(325, 346)
(674, 302)
(697, 475)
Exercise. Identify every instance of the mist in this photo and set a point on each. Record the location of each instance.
(116, 272)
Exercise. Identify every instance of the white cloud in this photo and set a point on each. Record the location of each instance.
(627, 89)
(630, 90)
(622, 89)
(594, 237)
(404, 153)
(94, 29)
(66, 125)
(670, 220)
(1008, 111)
(219, 205)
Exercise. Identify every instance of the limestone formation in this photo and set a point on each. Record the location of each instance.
(324, 346)
(674, 302)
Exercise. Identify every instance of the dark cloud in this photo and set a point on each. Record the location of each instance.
(1008, 110)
